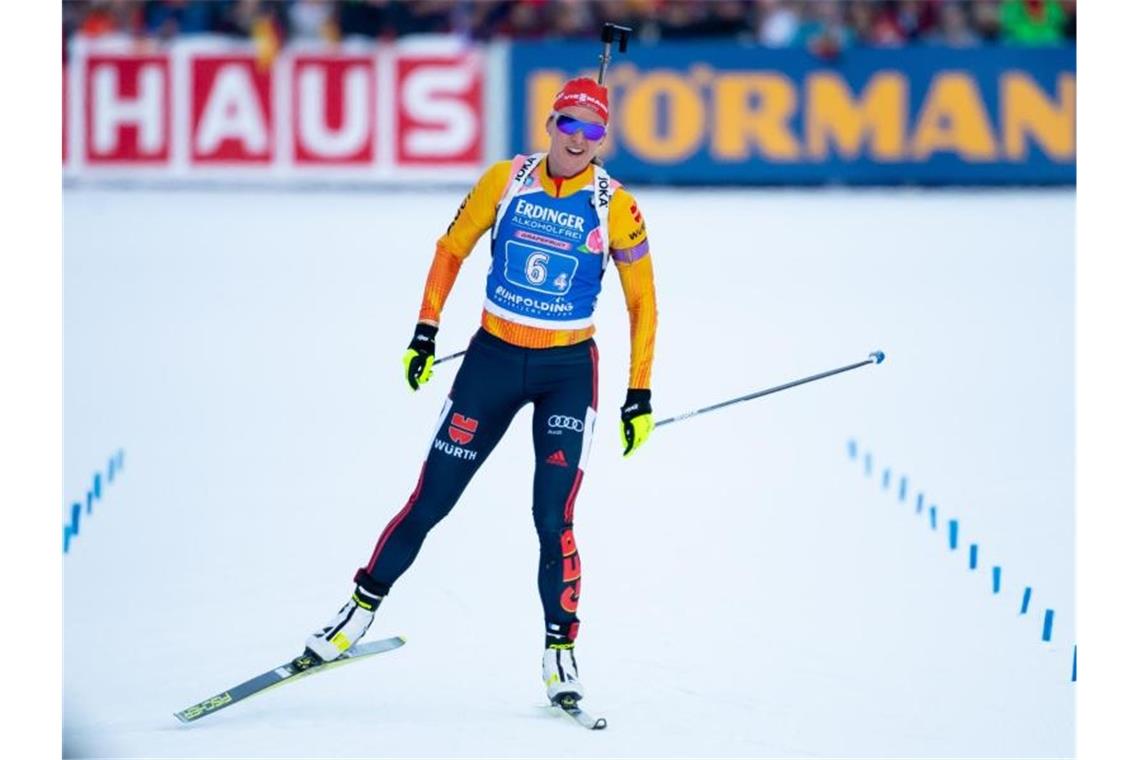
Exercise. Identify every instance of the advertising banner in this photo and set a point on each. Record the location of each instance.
(415, 110)
(712, 113)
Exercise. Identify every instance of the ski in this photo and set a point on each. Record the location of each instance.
(568, 706)
(293, 670)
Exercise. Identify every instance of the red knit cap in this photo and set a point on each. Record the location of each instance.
(585, 93)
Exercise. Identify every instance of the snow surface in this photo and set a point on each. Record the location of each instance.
(748, 591)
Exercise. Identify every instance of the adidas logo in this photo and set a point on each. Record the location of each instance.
(558, 458)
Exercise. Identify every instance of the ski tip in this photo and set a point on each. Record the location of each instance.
(181, 718)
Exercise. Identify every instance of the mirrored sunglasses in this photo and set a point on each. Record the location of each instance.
(568, 125)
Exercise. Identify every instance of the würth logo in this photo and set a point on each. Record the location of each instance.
(558, 458)
(462, 429)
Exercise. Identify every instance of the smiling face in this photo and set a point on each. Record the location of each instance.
(571, 154)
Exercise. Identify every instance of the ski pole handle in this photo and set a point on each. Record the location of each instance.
(875, 357)
(608, 31)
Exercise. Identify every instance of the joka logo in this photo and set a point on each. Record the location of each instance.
(526, 167)
(462, 429)
(558, 458)
(556, 421)
(603, 191)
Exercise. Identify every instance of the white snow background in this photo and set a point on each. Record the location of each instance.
(748, 589)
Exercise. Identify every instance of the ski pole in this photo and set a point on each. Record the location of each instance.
(608, 31)
(875, 357)
(448, 358)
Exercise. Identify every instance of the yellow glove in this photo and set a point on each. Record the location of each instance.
(636, 419)
(420, 356)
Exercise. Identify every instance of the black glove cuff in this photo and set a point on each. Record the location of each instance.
(423, 339)
(636, 403)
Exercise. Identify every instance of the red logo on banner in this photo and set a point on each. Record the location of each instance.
(439, 110)
(231, 113)
(334, 110)
(462, 429)
(127, 109)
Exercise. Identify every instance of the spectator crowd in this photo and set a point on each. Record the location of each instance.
(823, 26)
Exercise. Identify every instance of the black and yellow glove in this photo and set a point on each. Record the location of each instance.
(636, 419)
(420, 356)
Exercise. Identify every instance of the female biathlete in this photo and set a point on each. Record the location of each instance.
(554, 219)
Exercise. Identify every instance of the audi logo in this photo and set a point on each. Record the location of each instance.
(562, 421)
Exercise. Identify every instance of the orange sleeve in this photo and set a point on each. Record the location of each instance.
(475, 216)
(629, 248)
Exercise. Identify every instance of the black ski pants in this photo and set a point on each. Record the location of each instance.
(494, 382)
